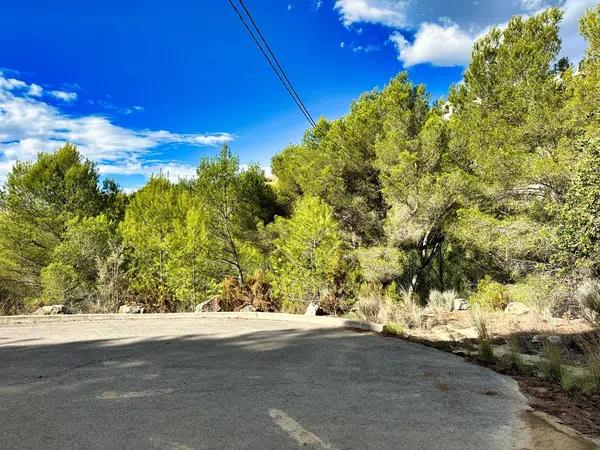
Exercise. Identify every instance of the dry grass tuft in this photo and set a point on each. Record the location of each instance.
(479, 319)
(591, 349)
(440, 302)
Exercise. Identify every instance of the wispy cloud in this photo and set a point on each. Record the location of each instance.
(29, 125)
(67, 97)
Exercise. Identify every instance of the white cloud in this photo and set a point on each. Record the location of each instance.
(385, 12)
(449, 42)
(439, 45)
(67, 97)
(533, 5)
(29, 125)
(35, 90)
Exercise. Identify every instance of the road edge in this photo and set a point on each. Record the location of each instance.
(324, 321)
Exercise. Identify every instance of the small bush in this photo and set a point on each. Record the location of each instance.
(588, 296)
(393, 329)
(412, 312)
(441, 301)
(479, 320)
(374, 306)
(541, 292)
(11, 306)
(256, 292)
(490, 295)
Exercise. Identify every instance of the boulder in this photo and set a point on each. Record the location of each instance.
(248, 308)
(131, 309)
(52, 310)
(468, 333)
(553, 340)
(211, 305)
(460, 304)
(518, 309)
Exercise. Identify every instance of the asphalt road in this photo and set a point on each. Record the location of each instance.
(243, 384)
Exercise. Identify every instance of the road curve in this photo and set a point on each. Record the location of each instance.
(244, 384)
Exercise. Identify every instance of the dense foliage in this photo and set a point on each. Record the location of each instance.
(493, 193)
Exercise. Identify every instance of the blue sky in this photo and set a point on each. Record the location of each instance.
(148, 85)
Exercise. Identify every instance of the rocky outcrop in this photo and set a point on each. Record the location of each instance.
(131, 309)
(211, 305)
(52, 310)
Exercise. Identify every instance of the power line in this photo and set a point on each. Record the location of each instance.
(276, 61)
(289, 87)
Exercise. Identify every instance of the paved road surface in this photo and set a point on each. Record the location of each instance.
(244, 384)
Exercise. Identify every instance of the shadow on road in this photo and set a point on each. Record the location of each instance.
(219, 385)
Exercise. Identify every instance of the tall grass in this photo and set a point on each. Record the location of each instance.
(553, 367)
(441, 301)
(479, 319)
(591, 350)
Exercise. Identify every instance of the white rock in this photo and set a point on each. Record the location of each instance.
(52, 310)
(248, 308)
(211, 305)
(131, 309)
(518, 309)
(460, 304)
(468, 333)
(311, 309)
(553, 340)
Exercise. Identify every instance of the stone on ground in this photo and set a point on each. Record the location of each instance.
(518, 309)
(131, 309)
(211, 305)
(52, 310)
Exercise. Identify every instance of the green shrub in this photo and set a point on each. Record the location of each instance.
(393, 329)
(490, 295)
(540, 292)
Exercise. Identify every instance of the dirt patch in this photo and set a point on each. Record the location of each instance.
(574, 409)
(545, 436)
(453, 332)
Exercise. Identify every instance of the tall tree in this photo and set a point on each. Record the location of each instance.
(508, 135)
(307, 253)
(235, 202)
(40, 199)
(149, 221)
